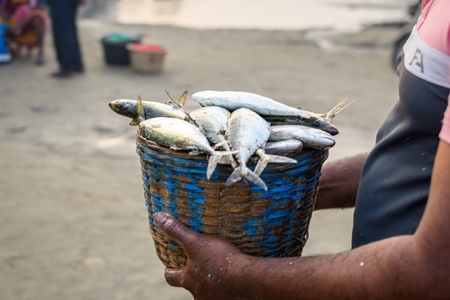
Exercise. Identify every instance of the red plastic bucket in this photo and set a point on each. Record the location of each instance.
(146, 58)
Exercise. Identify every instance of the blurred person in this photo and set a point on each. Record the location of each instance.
(401, 194)
(27, 24)
(63, 14)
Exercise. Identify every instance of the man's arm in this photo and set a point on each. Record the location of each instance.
(405, 267)
(339, 182)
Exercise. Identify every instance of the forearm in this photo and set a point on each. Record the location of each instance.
(404, 267)
(389, 269)
(339, 182)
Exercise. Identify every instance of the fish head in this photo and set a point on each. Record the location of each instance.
(124, 107)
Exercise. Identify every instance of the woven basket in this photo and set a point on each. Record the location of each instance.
(265, 224)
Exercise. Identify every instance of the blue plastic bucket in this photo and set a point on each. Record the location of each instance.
(5, 56)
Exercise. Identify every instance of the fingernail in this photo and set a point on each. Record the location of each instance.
(160, 217)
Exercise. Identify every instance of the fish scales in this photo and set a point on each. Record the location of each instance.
(175, 134)
(232, 100)
(290, 146)
(311, 119)
(310, 137)
(247, 132)
(217, 113)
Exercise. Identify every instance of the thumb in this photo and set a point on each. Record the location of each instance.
(173, 277)
(173, 229)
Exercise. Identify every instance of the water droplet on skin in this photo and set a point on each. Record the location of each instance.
(361, 264)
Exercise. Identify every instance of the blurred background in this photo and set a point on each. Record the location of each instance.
(72, 214)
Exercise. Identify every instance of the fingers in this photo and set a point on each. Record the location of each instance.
(173, 277)
(173, 228)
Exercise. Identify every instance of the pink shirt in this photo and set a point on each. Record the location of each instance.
(434, 29)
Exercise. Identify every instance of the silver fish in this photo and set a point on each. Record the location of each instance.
(219, 114)
(215, 134)
(284, 147)
(310, 137)
(233, 100)
(248, 132)
(320, 121)
(205, 120)
(128, 108)
(178, 134)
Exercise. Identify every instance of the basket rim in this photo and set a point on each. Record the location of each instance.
(185, 154)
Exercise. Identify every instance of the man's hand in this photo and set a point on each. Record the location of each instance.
(210, 261)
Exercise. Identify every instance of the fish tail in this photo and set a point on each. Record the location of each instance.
(140, 113)
(240, 173)
(181, 102)
(212, 164)
(329, 116)
(218, 157)
(266, 159)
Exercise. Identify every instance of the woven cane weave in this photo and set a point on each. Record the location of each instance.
(265, 224)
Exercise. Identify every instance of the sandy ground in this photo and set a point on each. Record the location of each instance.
(72, 215)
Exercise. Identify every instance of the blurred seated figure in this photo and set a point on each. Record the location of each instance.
(27, 24)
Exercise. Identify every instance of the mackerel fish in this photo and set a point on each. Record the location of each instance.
(247, 132)
(129, 108)
(178, 134)
(310, 137)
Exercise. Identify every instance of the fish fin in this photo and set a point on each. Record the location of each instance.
(180, 103)
(227, 152)
(234, 177)
(228, 160)
(253, 177)
(248, 174)
(140, 113)
(261, 165)
(220, 144)
(329, 116)
(269, 158)
(183, 98)
(212, 164)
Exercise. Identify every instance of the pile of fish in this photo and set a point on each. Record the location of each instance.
(232, 128)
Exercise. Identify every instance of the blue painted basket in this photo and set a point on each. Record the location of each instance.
(265, 224)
